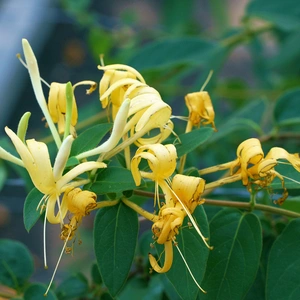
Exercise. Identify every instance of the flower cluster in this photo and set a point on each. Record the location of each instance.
(141, 122)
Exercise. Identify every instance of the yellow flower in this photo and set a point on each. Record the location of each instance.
(79, 203)
(200, 108)
(113, 74)
(161, 160)
(181, 198)
(50, 181)
(57, 104)
(147, 110)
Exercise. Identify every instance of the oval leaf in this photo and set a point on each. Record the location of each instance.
(191, 140)
(113, 180)
(283, 14)
(30, 213)
(90, 138)
(173, 51)
(195, 253)
(36, 292)
(115, 238)
(287, 109)
(233, 263)
(16, 263)
(283, 280)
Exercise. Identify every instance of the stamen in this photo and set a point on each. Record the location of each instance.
(24, 64)
(60, 256)
(192, 220)
(207, 80)
(44, 239)
(188, 268)
(291, 179)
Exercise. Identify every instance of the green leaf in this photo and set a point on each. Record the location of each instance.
(113, 180)
(138, 288)
(195, 253)
(241, 120)
(16, 264)
(30, 212)
(73, 287)
(36, 291)
(90, 138)
(233, 263)
(292, 204)
(169, 52)
(3, 174)
(193, 139)
(283, 14)
(115, 238)
(287, 171)
(288, 53)
(283, 280)
(287, 109)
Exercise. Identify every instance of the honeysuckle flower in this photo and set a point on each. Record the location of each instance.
(34, 74)
(181, 199)
(57, 104)
(50, 181)
(147, 112)
(79, 204)
(200, 109)
(112, 74)
(161, 160)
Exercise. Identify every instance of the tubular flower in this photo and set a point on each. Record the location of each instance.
(113, 74)
(79, 203)
(200, 109)
(248, 153)
(161, 160)
(181, 200)
(50, 181)
(57, 104)
(255, 168)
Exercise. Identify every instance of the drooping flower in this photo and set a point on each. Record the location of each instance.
(79, 204)
(162, 163)
(200, 109)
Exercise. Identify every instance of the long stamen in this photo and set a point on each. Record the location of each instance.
(192, 220)
(207, 80)
(25, 65)
(59, 259)
(188, 268)
(291, 179)
(44, 239)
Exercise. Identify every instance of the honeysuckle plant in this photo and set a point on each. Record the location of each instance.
(205, 218)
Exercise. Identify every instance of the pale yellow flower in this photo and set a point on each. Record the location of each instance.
(57, 104)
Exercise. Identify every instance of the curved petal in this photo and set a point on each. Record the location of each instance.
(80, 169)
(168, 259)
(36, 161)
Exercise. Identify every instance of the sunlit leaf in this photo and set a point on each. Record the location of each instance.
(115, 237)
